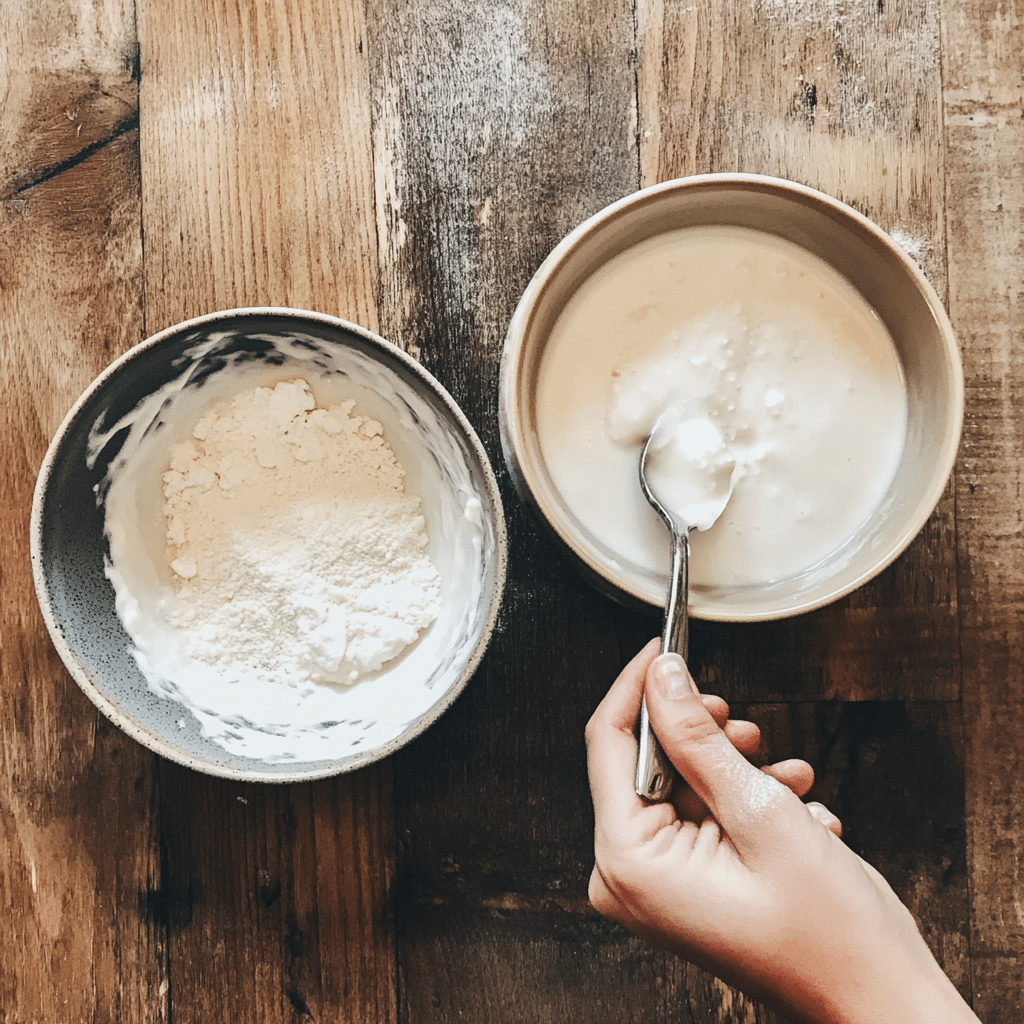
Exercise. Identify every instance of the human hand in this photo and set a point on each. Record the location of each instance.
(745, 736)
(737, 875)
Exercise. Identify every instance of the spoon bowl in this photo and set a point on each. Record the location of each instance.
(687, 470)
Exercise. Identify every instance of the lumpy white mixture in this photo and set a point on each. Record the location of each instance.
(298, 557)
(690, 469)
(767, 347)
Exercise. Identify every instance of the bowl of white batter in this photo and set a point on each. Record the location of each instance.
(268, 545)
(794, 326)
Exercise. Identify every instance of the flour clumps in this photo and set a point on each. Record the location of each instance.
(298, 558)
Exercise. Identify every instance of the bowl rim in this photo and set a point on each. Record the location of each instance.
(143, 735)
(512, 427)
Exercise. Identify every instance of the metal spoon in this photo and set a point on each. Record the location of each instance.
(654, 771)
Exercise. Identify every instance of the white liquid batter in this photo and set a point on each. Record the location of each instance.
(774, 350)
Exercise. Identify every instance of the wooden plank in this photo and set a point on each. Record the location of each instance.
(984, 100)
(258, 190)
(280, 905)
(68, 84)
(256, 159)
(497, 128)
(840, 97)
(78, 836)
(845, 98)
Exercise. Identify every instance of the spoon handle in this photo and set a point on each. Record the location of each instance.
(675, 634)
(654, 771)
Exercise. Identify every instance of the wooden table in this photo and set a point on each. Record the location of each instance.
(407, 165)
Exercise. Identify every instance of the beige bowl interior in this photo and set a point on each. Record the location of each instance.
(868, 258)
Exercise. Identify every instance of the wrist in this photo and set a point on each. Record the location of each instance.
(895, 995)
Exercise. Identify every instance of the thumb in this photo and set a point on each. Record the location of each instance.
(740, 797)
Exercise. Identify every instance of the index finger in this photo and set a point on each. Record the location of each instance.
(611, 744)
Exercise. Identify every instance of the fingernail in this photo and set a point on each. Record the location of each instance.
(671, 677)
(822, 814)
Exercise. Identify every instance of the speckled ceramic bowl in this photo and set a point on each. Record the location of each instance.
(446, 466)
(868, 258)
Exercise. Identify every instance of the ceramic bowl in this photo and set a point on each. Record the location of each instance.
(154, 390)
(868, 258)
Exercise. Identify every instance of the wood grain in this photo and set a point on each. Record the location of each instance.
(257, 190)
(845, 98)
(277, 900)
(74, 945)
(67, 86)
(984, 115)
(408, 166)
(256, 159)
(496, 130)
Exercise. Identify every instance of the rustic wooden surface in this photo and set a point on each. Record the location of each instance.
(407, 166)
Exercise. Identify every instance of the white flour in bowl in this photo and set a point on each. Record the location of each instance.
(260, 662)
(298, 558)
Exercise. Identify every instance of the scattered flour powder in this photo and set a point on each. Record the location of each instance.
(298, 557)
